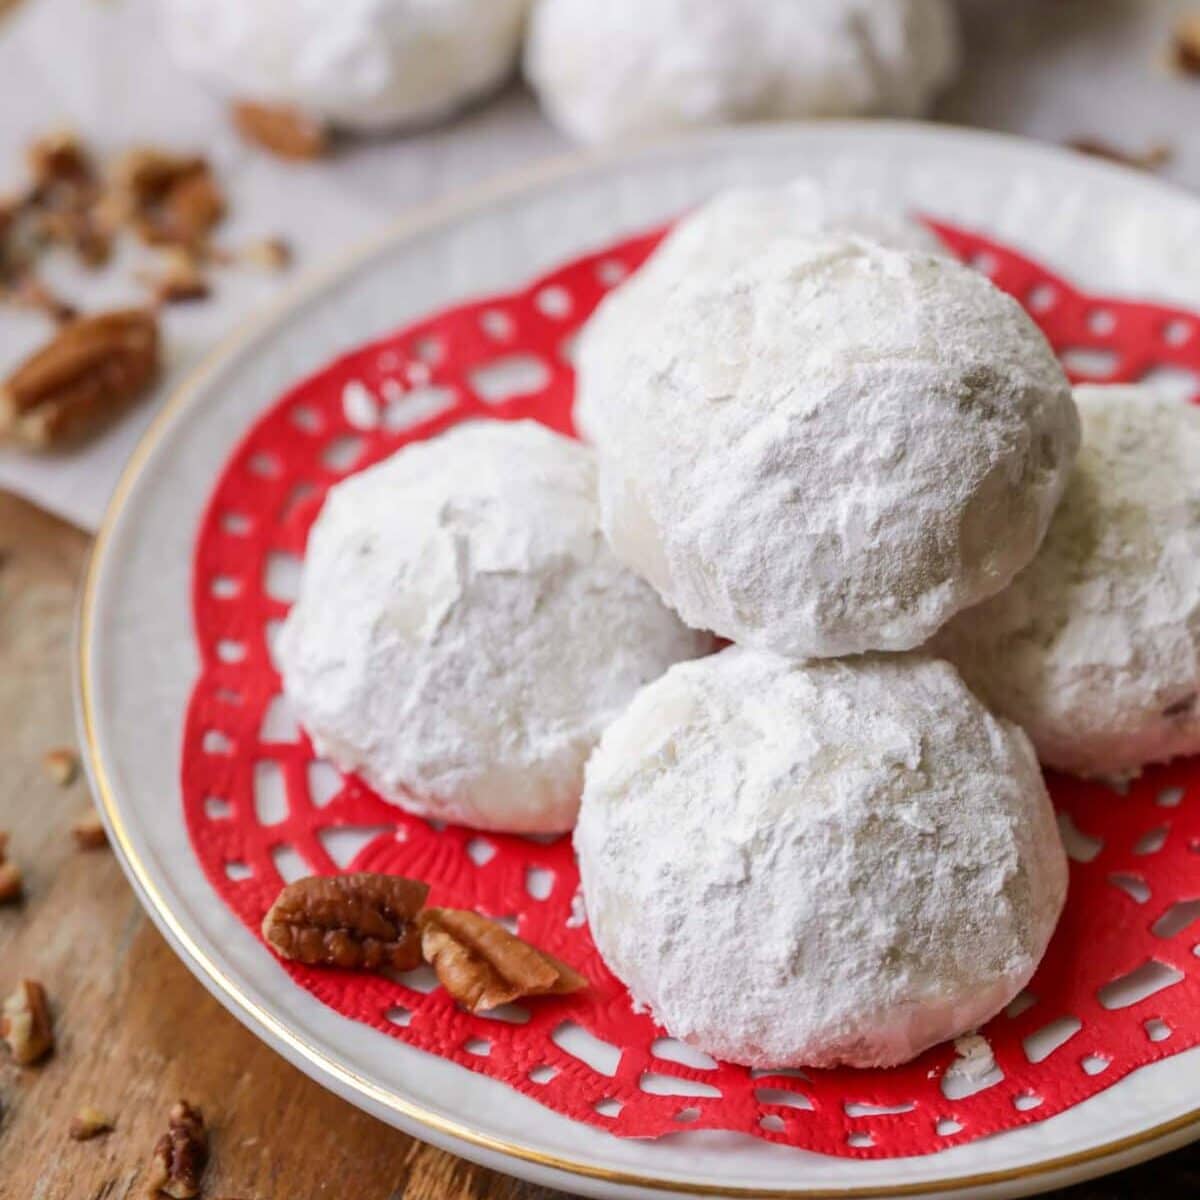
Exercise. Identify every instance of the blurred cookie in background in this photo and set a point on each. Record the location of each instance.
(631, 67)
(358, 65)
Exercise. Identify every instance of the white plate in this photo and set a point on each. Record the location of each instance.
(1103, 227)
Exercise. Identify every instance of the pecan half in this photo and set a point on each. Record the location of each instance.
(181, 1154)
(482, 965)
(90, 369)
(25, 1023)
(366, 921)
(285, 132)
(89, 1123)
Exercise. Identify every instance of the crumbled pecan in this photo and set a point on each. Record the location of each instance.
(363, 920)
(178, 281)
(59, 208)
(92, 368)
(285, 132)
(1157, 155)
(89, 832)
(1185, 45)
(74, 226)
(271, 254)
(482, 965)
(12, 884)
(61, 764)
(181, 1154)
(192, 208)
(167, 199)
(55, 210)
(25, 1023)
(89, 1123)
(59, 158)
(144, 175)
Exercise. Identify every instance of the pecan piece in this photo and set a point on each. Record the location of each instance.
(61, 765)
(12, 884)
(10, 209)
(1155, 156)
(144, 175)
(285, 132)
(180, 1155)
(60, 205)
(192, 208)
(91, 368)
(167, 199)
(89, 832)
(269, 254)
(25, 1023)
(179, 281)
(75, 227)
(482, 965)
(59, 158)
(358, 921)
(89, 1123)
(1185, 45)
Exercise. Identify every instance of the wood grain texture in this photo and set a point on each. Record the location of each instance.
(135, 1030)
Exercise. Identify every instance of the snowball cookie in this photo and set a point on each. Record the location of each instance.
(1095, 648)
(463, 634)
(359, 64)
(735, 224)
(623, 68)
(832, 449)
(814, 864)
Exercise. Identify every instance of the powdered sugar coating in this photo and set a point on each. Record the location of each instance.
(1095, 648)
(742, 221)
(838, 862)
(361, 64)
(463, 634)
(721, 234)
(832, 449)
(625, 68)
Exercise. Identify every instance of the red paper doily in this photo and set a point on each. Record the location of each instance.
(259, 809)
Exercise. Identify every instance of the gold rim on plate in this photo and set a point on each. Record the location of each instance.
(303, 1053)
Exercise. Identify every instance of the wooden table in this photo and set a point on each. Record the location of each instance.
(135, 1030)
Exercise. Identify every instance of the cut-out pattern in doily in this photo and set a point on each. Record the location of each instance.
(1120, 986)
